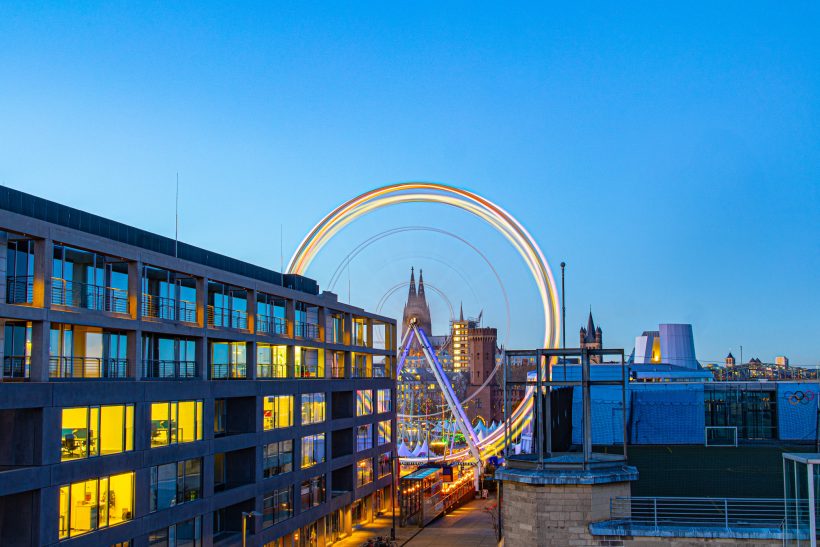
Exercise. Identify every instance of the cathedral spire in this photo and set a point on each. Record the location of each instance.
(461, 312)
(412, 294)
(421, 286)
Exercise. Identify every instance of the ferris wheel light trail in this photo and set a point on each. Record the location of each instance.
(495, 216)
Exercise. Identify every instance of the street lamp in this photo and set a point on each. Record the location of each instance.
(245, 517)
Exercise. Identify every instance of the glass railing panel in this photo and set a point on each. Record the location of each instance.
(88, 367)
(19, 289)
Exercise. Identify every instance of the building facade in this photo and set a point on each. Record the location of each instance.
(155, 393)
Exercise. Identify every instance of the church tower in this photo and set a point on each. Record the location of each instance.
(416, 306)
(592, 337)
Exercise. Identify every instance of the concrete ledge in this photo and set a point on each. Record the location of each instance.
(624, 473)
(622, 528)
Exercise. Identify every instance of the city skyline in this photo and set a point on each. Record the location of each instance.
(669, 164)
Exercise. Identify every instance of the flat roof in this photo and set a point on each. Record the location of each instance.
(28, 205)
(419, 474)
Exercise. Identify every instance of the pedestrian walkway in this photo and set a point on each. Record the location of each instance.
(470, 525)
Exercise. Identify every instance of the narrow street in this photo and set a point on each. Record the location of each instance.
(468, 526)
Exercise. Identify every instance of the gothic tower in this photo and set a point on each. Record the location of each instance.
(416, 306)
(592, 337)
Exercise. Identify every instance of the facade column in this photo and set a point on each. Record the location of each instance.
(135, 368)
(202, 302)
(43, 266)
(250, 305)
(369, 332)
(40, 331)
(250, 360)
(290, 317)
(135, 289)
(348, 329)
(4, 245)
(322, 319)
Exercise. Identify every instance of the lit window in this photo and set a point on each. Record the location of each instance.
(364, 437)
(277, 411)
(277, 506)
(313, 492)
(176, 422)
(313, 408)
(384, 432)
(313, 450)
(96, 430)
(385, 464)
(96, 503)
(175, 483)
(383, 401)
(364, 402)
(277, 458)
(308, 363)
(364, 472)
(187, 533)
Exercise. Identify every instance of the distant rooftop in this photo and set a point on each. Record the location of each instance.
(22, 203)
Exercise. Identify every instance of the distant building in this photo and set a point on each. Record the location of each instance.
(730, 360)
(416, 306)
(781, 361)
(592, 338)
(459, 342)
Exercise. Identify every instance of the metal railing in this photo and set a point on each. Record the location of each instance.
(84, 295)
(226, 317)
(15, 367)
(19, 289)
(273, 370)
(234, 371)
(168, 308)
(87, 367)
(723, 513)
(308, 331)
(271, 325)
(168, 369)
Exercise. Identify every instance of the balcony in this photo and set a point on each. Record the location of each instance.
(308, 331)
(168, 308)
(88, 367)
(20, 289)
(227, 318)
(273, 370)
(266, 324)
(15, 368)
(92, 297)
(160, 369)
(229, 371)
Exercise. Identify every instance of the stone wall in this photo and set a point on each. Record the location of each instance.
(547, 515)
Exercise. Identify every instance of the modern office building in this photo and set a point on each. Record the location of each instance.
(155, 393)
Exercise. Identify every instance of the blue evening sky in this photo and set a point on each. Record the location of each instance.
(669, 154)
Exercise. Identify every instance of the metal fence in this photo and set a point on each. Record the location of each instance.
(168, 369)
(723, 513)
(84, 295)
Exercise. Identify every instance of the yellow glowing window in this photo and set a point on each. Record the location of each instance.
(95, 431)
(89, 505)
(313, 408)
(364, 402)
(175, 422)
(277, 411)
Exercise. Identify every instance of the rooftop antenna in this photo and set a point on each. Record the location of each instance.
(176, 221)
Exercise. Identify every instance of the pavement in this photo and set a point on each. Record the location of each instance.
(467, 526)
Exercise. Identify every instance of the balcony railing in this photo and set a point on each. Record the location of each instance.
(87, 367)
(308, 331)
(720, 513)
(161, 369)
(273, 370)
(236, 371)
(19, 289)
(93, 297)
(15, 368)
(228, 318)
(168, 308)
(271, 325)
